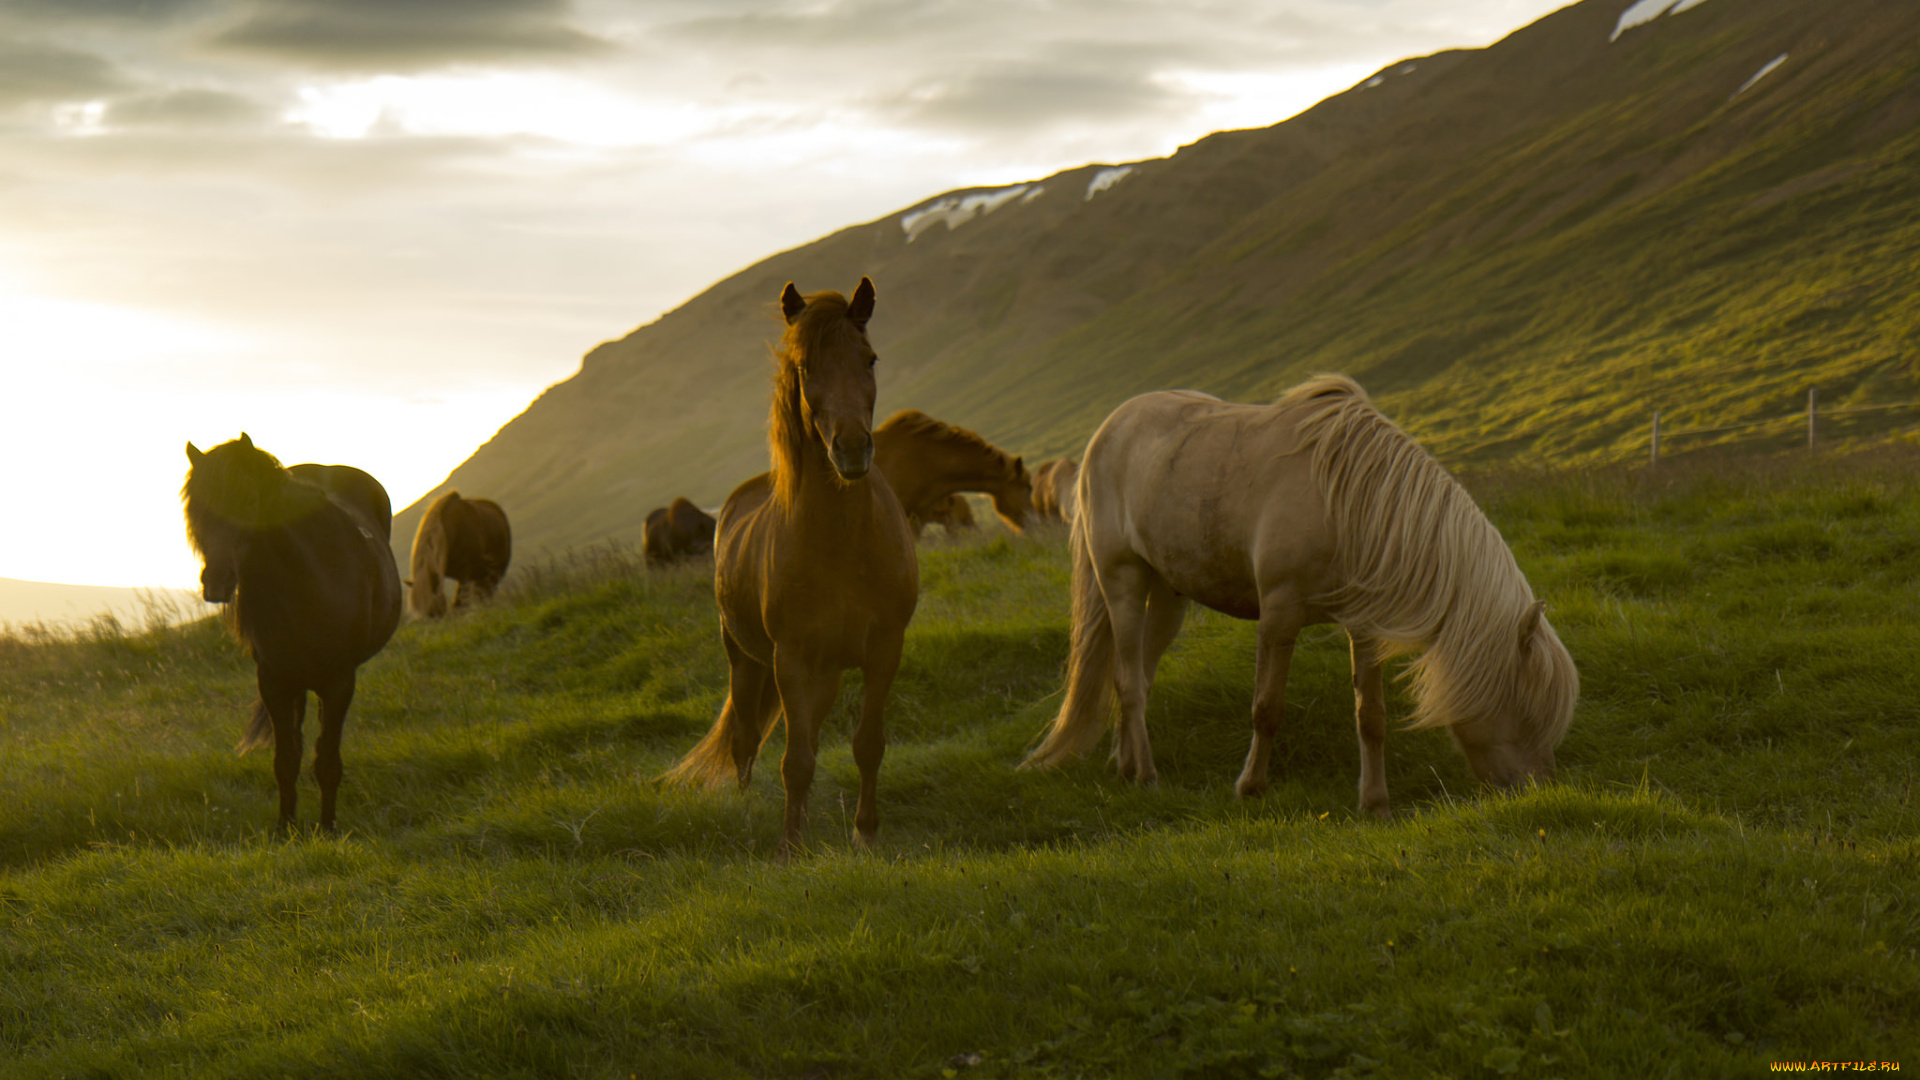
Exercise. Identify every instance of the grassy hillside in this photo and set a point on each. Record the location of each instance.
(1727, 875)
(1522, 250)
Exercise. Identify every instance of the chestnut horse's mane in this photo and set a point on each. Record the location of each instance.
(916, 423)
(819, 326)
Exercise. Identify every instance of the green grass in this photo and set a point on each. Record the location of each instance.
(1728, 873)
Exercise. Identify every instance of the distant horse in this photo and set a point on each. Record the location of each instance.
(951, 512)
(302, 556)
(676, 532)
(1056, 486)
(814, 568)
(926, 460)
(463, 540)
(1313, 509)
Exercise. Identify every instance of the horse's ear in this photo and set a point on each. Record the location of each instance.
(1530, 624)
(246, 440)
(193, 452)
(1020, 466)
(861, 308)
(792, 303)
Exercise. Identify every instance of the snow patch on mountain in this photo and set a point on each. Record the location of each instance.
(957, 210)
(1761, 74)
(1648, 10)
(1106, 178)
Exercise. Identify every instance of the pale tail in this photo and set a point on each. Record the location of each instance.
(259, 729)
(1088, 707)
(710, 763)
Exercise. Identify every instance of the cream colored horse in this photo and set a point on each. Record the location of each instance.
(1314, 509)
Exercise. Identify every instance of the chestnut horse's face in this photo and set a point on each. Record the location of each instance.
(837, 385)
(1013, 501)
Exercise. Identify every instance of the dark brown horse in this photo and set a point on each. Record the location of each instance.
(814, 565)
(926, 461)
(463, 540)
(1056, 486)
(301, 556)
(952, 512)
(676, 532)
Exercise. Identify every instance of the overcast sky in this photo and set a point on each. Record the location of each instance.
(372, 230)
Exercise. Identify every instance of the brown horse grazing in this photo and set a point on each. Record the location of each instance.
(1313, 509)
(926, 460)
(1056, 490)
(951, 512)
(301, 556)
(814, 568)
(676, 532)
(463, 540)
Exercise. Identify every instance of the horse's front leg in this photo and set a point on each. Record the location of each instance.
(327, 767)
(806, 696)
(1279, 626)
(870, 739)
(1370, 719)
(286, 703)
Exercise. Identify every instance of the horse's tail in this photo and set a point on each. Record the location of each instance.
(1088, 706)
(259, 729)
(711, 762)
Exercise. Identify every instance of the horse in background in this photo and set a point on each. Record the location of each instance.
(952, 512)
(466, 541)
(926, 460)
(1313, 509)
(676, 532)
(1056, 490)
(814, 568)
(301, 557)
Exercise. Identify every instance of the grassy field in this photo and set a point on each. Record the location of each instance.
(1727, 875)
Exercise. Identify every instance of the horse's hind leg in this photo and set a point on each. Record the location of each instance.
(462, 593)
(286, 703)
(752, 697)
(1370, 718)
(870, 738)
(1127, 585)
(1278, 629)
(327, 767)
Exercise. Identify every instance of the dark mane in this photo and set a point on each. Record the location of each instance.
(242, 489)
(913, 422)
(817, 327)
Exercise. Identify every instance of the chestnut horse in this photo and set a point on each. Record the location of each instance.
(926, 460)
(464, 540)
(1313, 509)
(814, 568)
(301, 557)
(951, 512)
(1056, 487)
(676, 532)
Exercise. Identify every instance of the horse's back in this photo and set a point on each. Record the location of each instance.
(1217, 497)
(322, 594)
(357, 489)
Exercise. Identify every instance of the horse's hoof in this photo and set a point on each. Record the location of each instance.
(1381, 811)
(864, 841)
(1250, 789)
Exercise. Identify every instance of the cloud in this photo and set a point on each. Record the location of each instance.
(407, 35)
(187, 108)
(32, 73)
(1029, 96)
(99, 11)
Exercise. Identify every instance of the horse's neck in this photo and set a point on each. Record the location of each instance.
(950, 469)
(823, 505)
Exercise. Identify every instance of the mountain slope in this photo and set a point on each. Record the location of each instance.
(1521, 250)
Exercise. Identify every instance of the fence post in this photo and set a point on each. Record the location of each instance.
(1656, 438)
(1813, 404)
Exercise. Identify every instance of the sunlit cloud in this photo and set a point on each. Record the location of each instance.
(1244, 99)
(494, 106)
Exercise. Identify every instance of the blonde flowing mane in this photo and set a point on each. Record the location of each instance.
(915, 423)
(787, 438)
(1423, 568)
(429, 559)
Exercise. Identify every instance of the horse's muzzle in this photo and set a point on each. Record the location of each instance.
(852, 462)
(216, 588)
